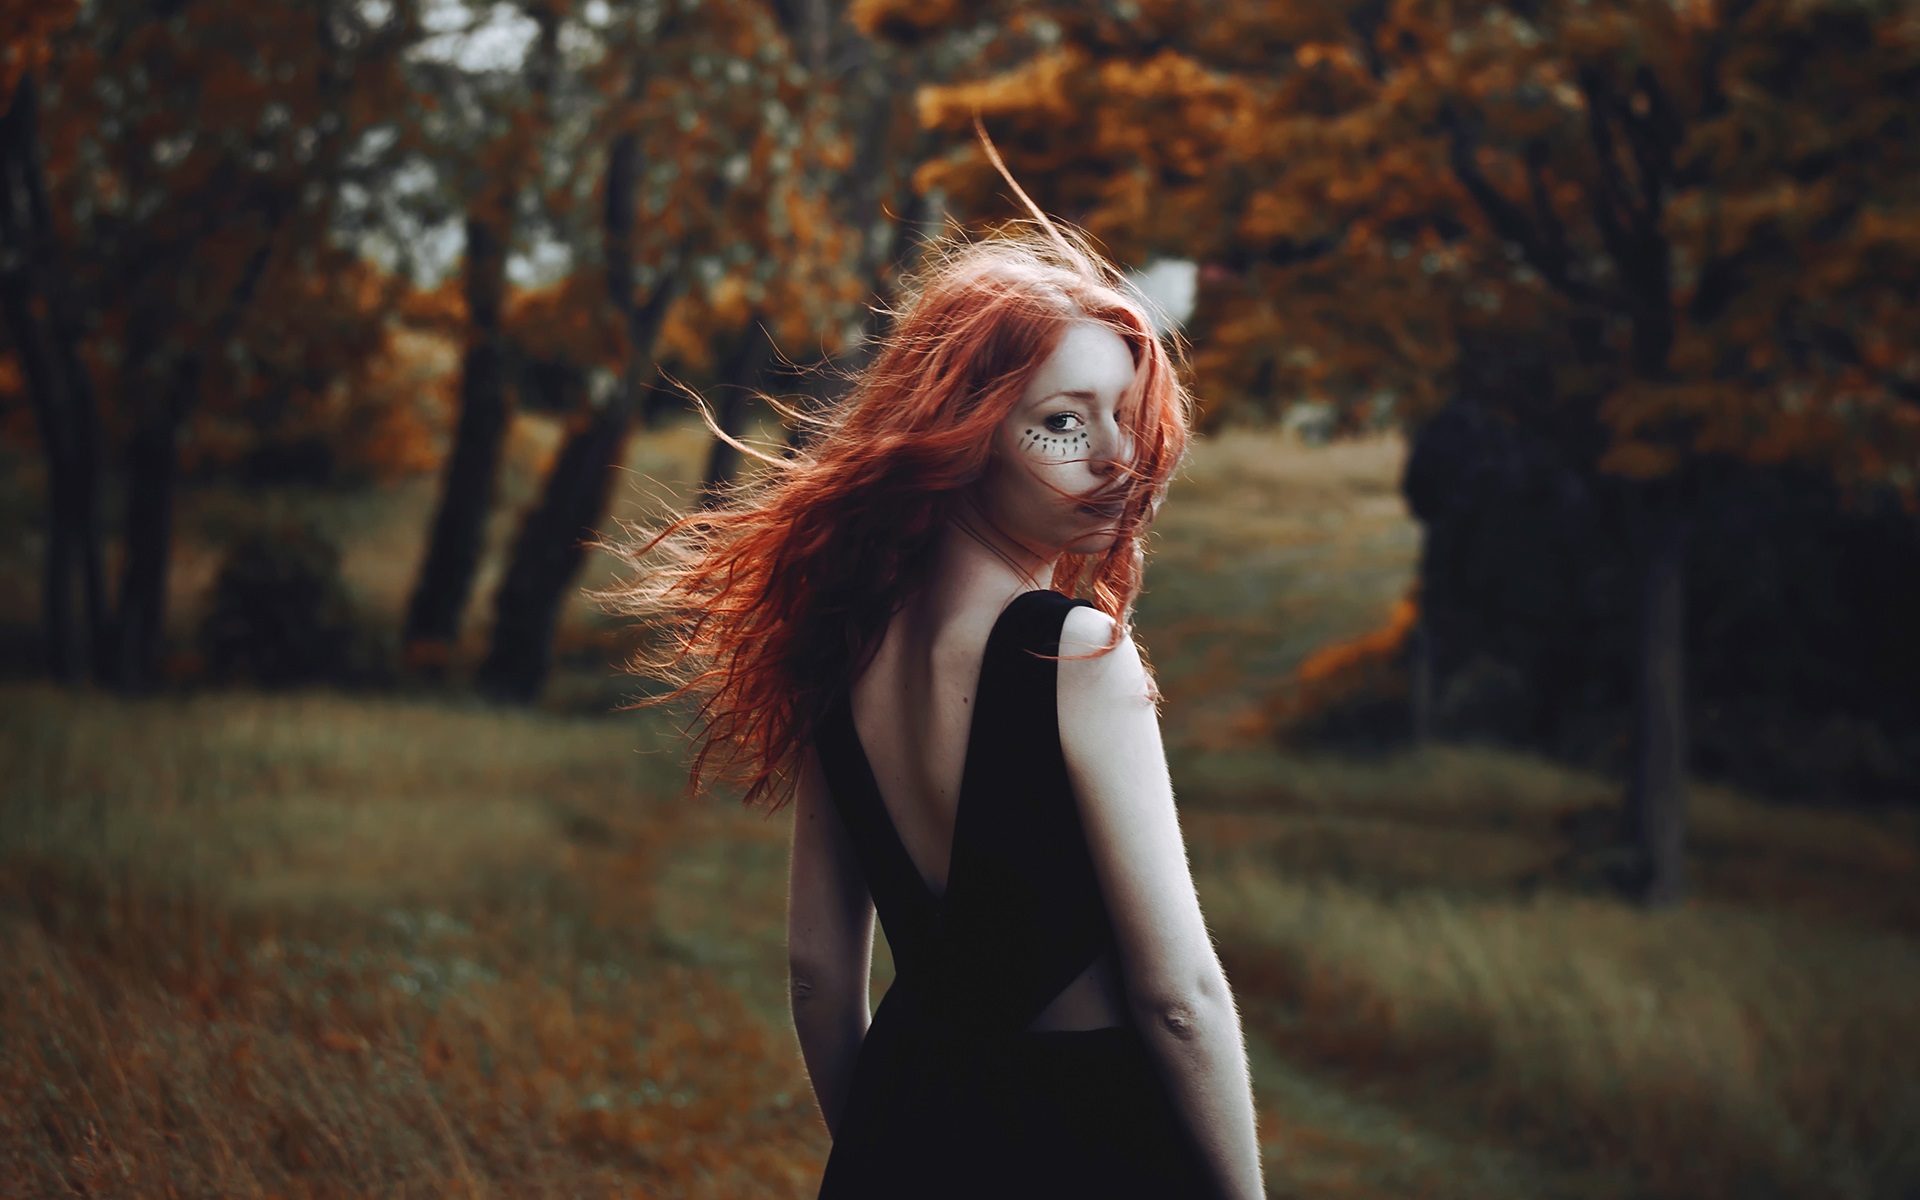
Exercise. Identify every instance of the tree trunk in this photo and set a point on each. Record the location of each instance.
(655, 404)
(895, 225)
(550, 546)
(40, 319)
(547, 555)
(739, 379)
(1656, 811)
(821, 386)
(66, 649)
(915, 212)
(151, 468)
(549, 549)
(458, 535)
(466, 494)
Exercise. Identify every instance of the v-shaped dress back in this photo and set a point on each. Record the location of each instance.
(953, 1094)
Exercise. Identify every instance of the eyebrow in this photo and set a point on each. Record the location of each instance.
(1076, 393)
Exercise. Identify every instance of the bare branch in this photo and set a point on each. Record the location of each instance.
(1609, 195)
(1544, 250)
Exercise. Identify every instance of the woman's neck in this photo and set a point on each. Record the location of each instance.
(977, 562)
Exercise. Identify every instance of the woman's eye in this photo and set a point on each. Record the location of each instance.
(1063, 422)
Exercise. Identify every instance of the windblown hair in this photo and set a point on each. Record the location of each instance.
(771, 602)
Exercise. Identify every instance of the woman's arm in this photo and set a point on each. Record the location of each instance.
(1110, 733)
(829, 942)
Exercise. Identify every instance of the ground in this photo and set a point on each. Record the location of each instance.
(326, 944)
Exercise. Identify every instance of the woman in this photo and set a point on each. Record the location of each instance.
(881, 627)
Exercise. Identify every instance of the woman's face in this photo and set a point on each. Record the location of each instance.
(1065, 436)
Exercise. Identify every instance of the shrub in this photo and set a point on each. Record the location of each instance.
(281, 614)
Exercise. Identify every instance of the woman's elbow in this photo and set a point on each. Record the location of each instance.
(803, 984)
(1177, 1004)
(813, 988)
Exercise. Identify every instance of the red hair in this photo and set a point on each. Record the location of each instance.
(771, 601)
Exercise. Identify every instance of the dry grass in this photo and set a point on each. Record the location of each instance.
(1714, 1052)
(306, 946)
(1744, 1045)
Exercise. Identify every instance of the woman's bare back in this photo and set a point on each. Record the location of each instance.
(913, 712)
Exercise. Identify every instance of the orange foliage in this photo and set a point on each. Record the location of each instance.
(903, 20)
(1369, 665)
(1364, 654)
(440, 309)
(331, 365)
(26, 33)
(193, 202)
(1724, 191)
(399, 406)
(568, 321)
(740, 158)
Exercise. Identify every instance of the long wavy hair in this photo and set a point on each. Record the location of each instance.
(767, 605)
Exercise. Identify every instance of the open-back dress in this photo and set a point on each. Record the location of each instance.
(952, 1094)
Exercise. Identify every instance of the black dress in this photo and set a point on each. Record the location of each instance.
(951, 1095)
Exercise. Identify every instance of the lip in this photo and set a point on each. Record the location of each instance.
(1110, 510)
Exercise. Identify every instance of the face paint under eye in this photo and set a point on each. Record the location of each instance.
(1048, 444)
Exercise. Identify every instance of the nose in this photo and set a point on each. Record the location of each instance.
(1114, 452)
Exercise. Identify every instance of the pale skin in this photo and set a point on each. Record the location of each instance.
(913, 711)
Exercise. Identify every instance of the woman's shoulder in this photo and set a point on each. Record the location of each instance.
(1100, 666)
(1085, 628)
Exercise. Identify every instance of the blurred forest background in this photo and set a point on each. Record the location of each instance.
(1535, 614)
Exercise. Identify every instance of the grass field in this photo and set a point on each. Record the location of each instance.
(326, 945)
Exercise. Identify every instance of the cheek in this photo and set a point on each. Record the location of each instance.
(1039, 444)
(1044, 485)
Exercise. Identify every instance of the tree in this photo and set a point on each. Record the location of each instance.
(493, 185)
(1706, 208)
(178, 181)
(774, 174)
(41, 322)
(745, 364)
(710, 207)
